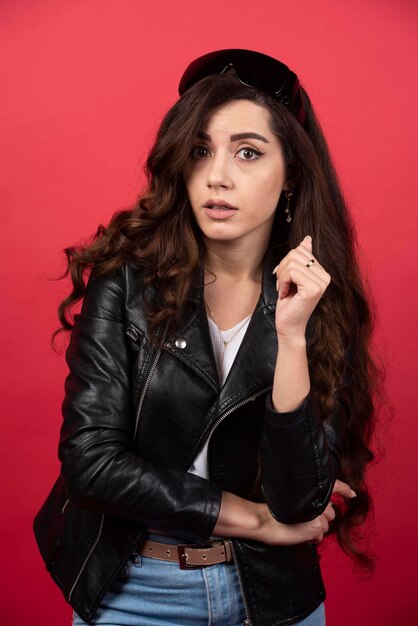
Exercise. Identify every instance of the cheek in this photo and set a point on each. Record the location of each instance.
(268, 186)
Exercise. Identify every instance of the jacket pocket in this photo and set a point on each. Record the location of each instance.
(65, 535)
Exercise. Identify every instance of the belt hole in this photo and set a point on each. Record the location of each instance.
(204, 556)
(150, 549)
(222, 552)
(168, 552)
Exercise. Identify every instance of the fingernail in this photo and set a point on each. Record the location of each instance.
(274, 271)
(308, 237)
(353, 494)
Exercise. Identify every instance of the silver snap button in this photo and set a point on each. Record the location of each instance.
(180, 343)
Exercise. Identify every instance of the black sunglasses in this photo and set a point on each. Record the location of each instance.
(253, 69)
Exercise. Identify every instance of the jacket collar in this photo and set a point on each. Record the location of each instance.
(253, 367)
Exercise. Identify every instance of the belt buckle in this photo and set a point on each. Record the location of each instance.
(181, 550)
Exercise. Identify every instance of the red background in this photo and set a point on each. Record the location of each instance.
(84, 84)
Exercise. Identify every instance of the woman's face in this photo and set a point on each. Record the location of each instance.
(236, 161)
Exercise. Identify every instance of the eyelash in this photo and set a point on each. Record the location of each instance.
(198, 147)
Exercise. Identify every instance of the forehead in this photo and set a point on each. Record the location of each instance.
(239, 115)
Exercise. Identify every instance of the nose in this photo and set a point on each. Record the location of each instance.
(218, 173)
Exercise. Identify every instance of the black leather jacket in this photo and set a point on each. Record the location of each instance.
(134, 420)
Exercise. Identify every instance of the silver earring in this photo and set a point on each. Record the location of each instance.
(288, 195)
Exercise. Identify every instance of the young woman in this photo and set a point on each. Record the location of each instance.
(220, 385)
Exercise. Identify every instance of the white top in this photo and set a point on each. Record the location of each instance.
(224, 356)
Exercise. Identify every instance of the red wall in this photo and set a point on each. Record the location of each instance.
(84, 84)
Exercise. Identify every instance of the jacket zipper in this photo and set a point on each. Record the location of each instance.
(138, 412)
(144, 391)
(247, 621)
(234, 408)
(86, 560)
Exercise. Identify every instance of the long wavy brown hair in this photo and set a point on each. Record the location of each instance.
(159, 234)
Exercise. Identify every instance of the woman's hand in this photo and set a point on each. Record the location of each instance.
(250, 520)
(276, 533)
(342, 489)
(300, 288)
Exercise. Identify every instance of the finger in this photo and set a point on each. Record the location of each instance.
(300, 255)
(303, 250)
(319, 539)
(329, 512)
(310, 285)
(307, 243)
(325, 524)
(319, 527)
(301, 277)
(320, 534)
(343, 489)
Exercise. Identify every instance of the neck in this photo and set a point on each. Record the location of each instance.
(233, 262)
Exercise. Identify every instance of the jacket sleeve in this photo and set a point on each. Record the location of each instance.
(100, 470)
(300, 455)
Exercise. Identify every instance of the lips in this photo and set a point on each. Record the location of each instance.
(220, 205)
(216, 211)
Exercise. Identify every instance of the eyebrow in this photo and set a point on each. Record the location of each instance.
(236, 137)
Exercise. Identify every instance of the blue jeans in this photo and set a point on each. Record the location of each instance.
(151, 592)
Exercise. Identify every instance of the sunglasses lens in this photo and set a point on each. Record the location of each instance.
(200, 68)
(254, 69)
(266, 76)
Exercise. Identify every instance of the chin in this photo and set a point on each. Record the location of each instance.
(220, 230)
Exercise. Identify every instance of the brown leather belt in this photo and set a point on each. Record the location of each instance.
(189, 556)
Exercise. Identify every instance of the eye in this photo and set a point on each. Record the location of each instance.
(250, 154)
(199, 152)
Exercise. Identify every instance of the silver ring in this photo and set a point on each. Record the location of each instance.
(311, 262)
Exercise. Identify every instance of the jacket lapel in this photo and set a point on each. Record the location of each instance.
(253, 367)
(193, 346)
